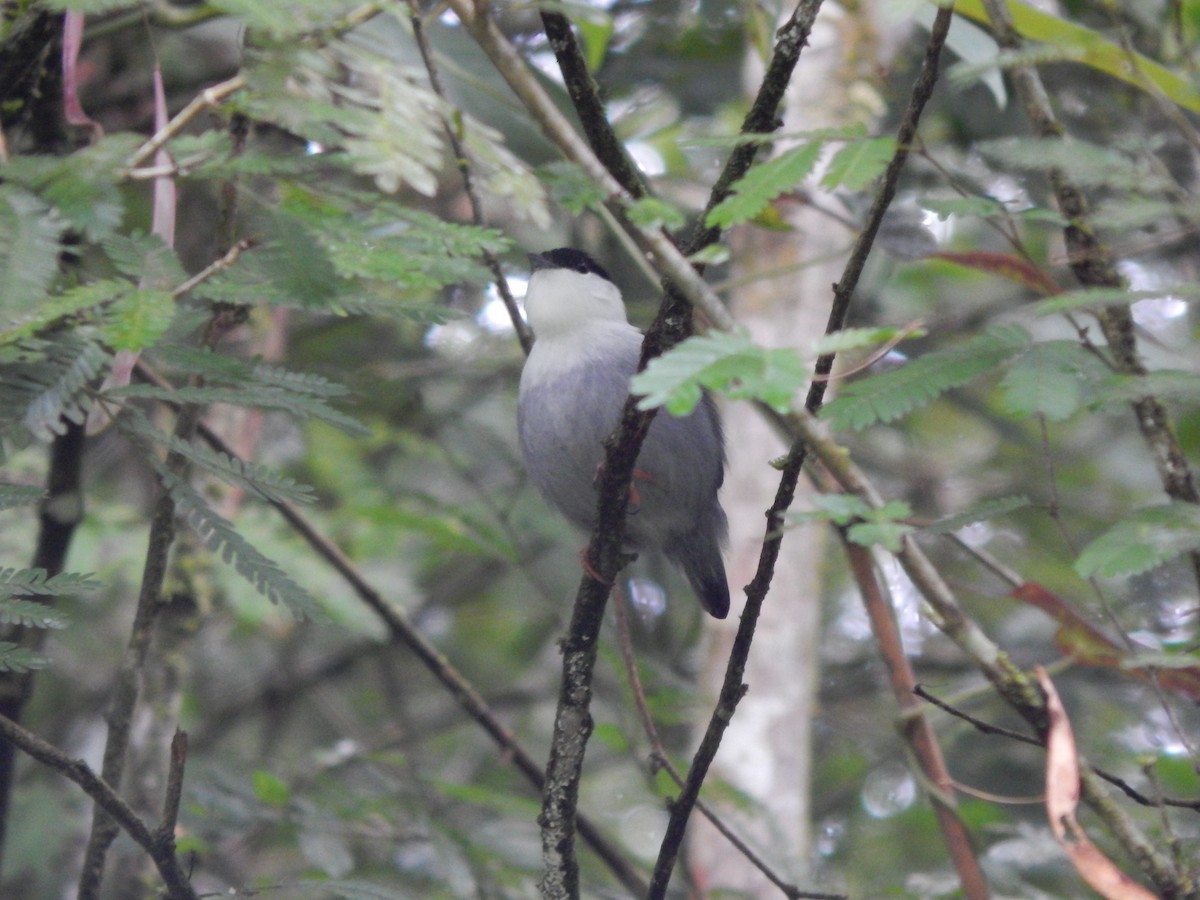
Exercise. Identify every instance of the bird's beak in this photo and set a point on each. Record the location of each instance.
(537, 261)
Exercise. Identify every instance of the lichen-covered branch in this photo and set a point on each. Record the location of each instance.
(1093, 265)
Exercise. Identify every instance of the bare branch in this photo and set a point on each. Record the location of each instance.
(916, 729)
(160, 847)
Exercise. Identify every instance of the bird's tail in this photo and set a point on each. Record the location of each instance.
(698, 553)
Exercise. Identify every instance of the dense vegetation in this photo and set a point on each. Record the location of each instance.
(280, 612)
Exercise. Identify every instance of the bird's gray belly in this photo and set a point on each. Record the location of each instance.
(563, 424)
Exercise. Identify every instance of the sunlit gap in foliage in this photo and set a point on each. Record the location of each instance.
(942, 228)
(1158, 315)
(648, 160)
(462, 335)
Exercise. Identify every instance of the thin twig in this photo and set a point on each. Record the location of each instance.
(916, 729)
(174, 792)
(554, 125)
(404, 632)
(208, 98)
(1094, 266)
(1115, 780)
(732, 686)
(160, 848)
(463, 161)
(585, 95)
(662, 759)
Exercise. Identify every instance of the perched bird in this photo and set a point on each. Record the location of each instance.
(573, 389)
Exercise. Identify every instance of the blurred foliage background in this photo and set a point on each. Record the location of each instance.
(324, 758)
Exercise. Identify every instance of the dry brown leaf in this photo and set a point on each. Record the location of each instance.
(1062, 798)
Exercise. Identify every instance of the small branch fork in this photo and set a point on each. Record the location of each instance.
(733, 687)
(661, 759)
(158, 842)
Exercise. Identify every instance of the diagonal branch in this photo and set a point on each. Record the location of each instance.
(683, 287)
(554, 125)
(463, 161)
(1017, 689)
(1094, 266)
(732, 687)
(915, 727)
(159, 844)
(403, 632)
(589, 106)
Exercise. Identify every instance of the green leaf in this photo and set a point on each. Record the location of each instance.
(258, 480)
(989, 509)
(1170, 384)
(945, 207)
(571, 187)
(138, 319)
(82, 187)
(887, 534)
(853, 338)
(36, 582)
(727, 363)
(1098, 298)
(762, 184)
(896, 392)
(249, 395)
(29, 246)
(86, 301)
(63, 395)
(20, 659)
(270, 789)
(650, 212)
(145, 259)
(1090, 165)
(31, 614)
(838, 508)
(1142, 540)
(1089, 47)
(1049, 380)
(221, 537)
(864, 524)
(595, 32)
(859, 163)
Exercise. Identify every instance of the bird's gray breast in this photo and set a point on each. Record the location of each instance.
(563, 419)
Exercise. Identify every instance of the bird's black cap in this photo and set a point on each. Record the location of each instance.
(567, 258)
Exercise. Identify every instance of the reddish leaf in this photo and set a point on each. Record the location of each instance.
(72, 41)
(1088, 645)
(1062, 797)
(1005, 265)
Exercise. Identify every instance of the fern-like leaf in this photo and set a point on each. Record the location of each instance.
(222, 538)
(249, 395)
(65, 396)
(65, 309)
(258, 480)
(29, 244)
(895, 393)
(36, 582)
(14, 658)
(762, 184)
(1049, 379)
(725, 362)
(1090, 165)
(989, 509)
(31, 614)
(1142, 540)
